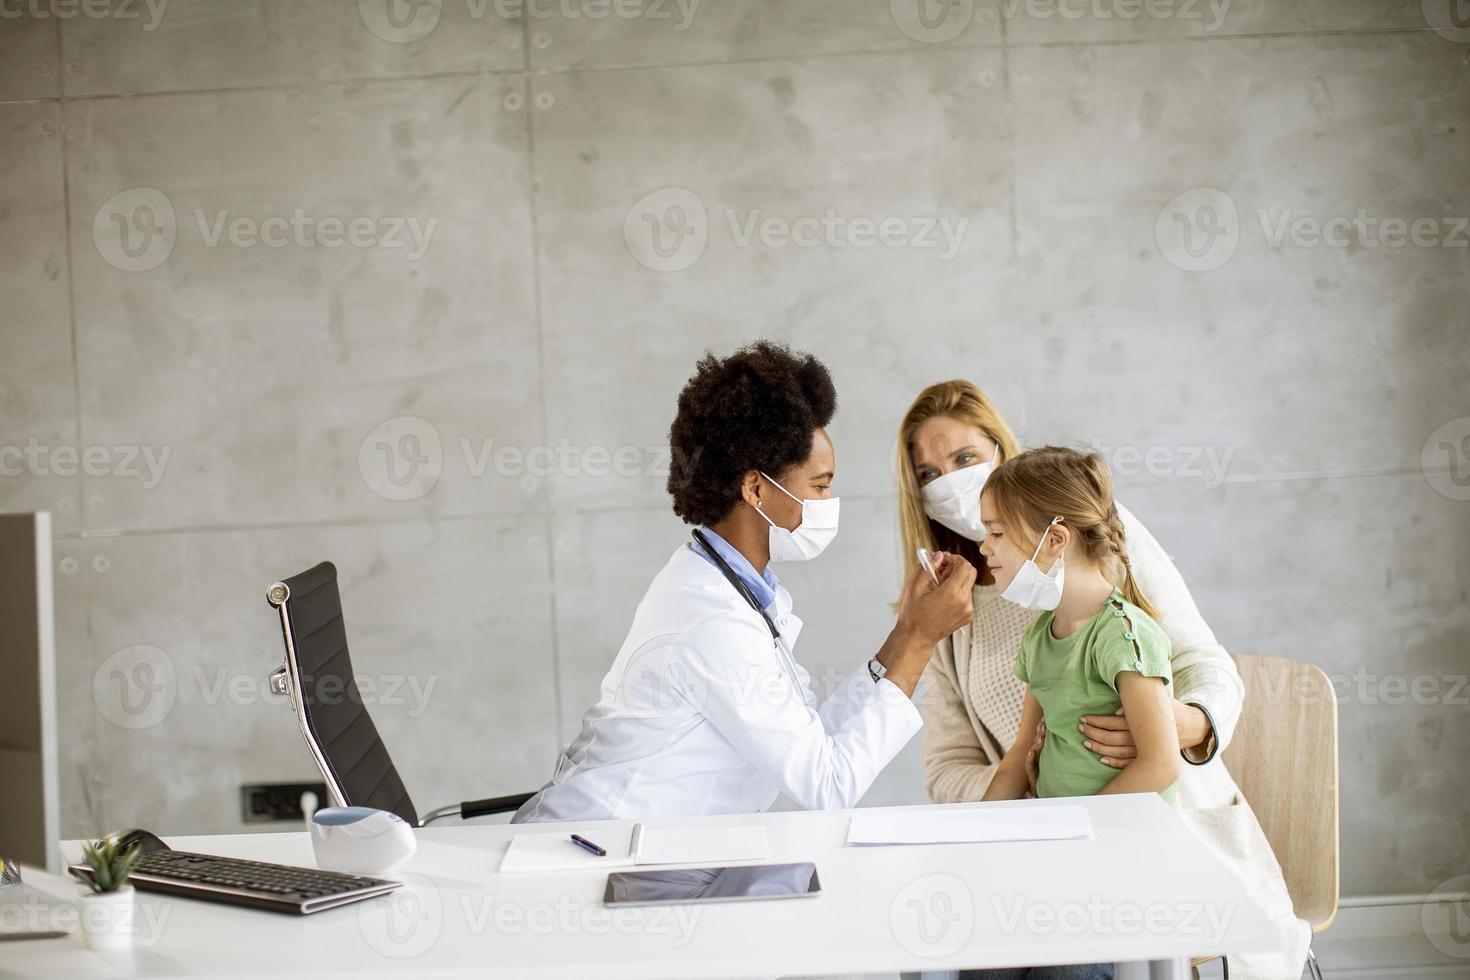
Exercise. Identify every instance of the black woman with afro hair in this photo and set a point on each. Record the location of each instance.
(705, 709)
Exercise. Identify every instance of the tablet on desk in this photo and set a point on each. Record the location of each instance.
(683, 886)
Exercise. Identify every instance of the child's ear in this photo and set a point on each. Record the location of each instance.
(1057, 539)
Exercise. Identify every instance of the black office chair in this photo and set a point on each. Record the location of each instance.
(317, 677)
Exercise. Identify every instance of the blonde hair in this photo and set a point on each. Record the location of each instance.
(967, 404)
(1041, 484)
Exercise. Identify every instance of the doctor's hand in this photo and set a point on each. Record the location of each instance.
(934, 610)
(927, 613)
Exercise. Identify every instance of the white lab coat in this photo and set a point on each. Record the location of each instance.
(702, 712)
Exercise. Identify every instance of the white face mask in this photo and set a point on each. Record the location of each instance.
(1034, 589)
(954, 499)
(817, 528)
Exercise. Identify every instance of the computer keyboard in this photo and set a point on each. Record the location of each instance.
(277, 887)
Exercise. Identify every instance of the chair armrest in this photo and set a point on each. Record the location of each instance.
(478, 808)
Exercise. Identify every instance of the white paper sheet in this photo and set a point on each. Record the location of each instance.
(971, 825)
(637, 844)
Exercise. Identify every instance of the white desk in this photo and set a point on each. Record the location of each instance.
(1144, 890)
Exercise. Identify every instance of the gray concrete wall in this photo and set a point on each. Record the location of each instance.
(469, 423)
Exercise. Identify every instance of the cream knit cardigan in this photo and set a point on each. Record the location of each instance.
(972, 706)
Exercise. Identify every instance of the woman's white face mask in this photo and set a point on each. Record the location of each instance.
(954, 498)
(817, 528)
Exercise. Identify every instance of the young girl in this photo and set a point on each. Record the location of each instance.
(1055, 544)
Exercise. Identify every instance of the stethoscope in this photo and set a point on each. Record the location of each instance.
(734, 580)
(788, 663)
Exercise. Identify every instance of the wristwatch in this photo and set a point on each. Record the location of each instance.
(876, 670)
(1212, 744)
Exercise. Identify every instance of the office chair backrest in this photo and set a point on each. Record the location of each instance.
(341, 735)
(1284, 758)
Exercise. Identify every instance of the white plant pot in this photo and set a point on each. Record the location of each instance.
(107, 919)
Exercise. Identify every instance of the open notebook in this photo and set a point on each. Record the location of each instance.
(637, 844)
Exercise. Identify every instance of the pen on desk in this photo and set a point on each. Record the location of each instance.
(587, 845)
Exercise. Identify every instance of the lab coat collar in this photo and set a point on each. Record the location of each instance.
(762, 585)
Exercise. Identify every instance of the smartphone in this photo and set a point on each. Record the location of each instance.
(684, 886)
(928, 564)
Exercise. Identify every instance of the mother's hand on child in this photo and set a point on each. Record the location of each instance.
(1033, 773)
(1108, 736)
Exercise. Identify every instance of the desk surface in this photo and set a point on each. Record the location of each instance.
(1144, 889)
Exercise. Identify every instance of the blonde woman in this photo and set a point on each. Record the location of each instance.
(950, 440)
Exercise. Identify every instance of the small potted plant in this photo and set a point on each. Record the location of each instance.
(107, 908)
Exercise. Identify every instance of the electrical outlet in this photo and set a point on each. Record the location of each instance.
(268, 802)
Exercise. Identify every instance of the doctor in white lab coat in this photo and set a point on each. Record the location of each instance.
(705, 709)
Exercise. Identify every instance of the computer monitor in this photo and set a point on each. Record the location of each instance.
(30, 825)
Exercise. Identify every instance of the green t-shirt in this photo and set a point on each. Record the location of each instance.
(1078, 676)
